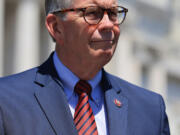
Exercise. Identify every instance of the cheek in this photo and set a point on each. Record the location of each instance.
(91, 31)
(82, 33)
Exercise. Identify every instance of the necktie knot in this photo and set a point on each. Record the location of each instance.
(82, 86)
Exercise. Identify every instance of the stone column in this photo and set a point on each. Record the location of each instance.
(27, 35)
(157, 79)
(1, 36)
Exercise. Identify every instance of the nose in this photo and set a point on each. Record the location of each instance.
(106, 23)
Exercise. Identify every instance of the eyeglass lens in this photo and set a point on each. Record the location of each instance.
(93, 15)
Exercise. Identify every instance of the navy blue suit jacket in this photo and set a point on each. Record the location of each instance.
(33, 103)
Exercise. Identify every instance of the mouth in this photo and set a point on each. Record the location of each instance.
(102, 44)
(104, 41)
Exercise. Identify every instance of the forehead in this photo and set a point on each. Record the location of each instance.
(102, 3)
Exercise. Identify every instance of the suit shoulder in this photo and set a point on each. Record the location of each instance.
(129, 88)
(22, 77)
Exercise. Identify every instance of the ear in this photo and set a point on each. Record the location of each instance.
(54, 26)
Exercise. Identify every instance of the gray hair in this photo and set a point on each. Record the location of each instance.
(55, 5)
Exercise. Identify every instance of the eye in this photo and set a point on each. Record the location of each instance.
(93, 13)
(113, 14)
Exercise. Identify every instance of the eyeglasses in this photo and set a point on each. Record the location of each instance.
(94, 14)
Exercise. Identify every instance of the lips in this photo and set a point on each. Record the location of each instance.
(103, 41)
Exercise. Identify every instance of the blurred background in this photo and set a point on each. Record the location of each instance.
(148, 52)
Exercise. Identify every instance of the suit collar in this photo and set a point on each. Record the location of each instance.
(46, 72)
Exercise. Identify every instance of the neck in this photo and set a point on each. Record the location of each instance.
(82, 69)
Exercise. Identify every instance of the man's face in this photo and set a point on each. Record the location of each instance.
(85, 44)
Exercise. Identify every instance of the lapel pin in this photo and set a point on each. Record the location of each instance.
(117, 103)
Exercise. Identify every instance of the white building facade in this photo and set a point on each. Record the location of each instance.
(148, 52)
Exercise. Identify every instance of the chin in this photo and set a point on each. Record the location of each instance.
(106, 55)
(107, 51)
(104, 61)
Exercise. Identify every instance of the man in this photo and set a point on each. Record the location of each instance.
(70, 93)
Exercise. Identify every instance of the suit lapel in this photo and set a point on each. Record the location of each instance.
(52, 100)
(117, 115)
(54, 104)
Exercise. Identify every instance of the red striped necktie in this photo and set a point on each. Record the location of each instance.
(83, 117)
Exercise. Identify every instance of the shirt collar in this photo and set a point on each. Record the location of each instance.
(69, 79)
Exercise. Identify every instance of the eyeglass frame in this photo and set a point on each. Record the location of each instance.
(125, 10)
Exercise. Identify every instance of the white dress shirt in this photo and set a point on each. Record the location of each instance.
(69, 80)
